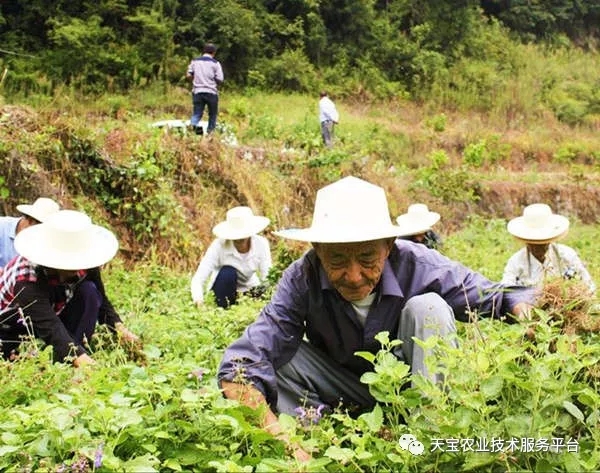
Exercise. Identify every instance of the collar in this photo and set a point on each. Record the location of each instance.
(387, 286)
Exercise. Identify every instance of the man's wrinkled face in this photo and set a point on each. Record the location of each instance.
(354, 269)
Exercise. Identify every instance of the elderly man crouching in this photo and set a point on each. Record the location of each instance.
(355, 282)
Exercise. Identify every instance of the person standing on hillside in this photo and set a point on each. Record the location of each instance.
(31, 214)
(206, 74)
(541, 258)
(357, 280)
(328, 117)
(238, 261)
(416, 224)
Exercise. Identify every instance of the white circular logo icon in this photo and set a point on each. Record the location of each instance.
(416, 448)
(409, 442)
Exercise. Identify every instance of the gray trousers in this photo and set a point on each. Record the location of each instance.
(311, 378)
(327, 127)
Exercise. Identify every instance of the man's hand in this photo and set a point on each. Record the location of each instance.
(252, 397)
(125, 334)
(522, 311)
(131, 343)
(83, 360)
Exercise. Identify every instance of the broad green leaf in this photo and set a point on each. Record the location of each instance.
(369, 377)
(373, 419)
(483, 362)
(396, 458)
(367, 355)
(573, 410)
(10, 438)
(477, 460)
(61, 418)
(343, 455)
(4, 449)
(517, 425)
(143, 464)
(571, 462)
(318, 464)
(492, 386)
(190, 395)
(228, 466)
(268, 465)
(172, 464)
(118, 400)
(288, 423)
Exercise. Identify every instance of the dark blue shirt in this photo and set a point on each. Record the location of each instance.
(305, 303)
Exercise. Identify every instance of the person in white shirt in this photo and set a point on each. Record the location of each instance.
(542, 258)
(328, 117)
(237, 261)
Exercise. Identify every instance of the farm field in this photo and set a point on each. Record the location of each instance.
(167, 414)
(509, 403)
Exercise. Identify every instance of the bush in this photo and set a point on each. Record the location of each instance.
(291, 71)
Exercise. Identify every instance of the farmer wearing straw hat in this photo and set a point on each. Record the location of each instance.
(356, 281)
(31, 214)
(238, 261)
(541, 258)
(417, 223)
(53, 290)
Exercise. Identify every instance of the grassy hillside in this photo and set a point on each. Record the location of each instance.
(162, 191)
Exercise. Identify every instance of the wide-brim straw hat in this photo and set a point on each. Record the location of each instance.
(418, 219)
(349, 210)
(67, 240)
(538, 224)
(40, 209)
(240, 222)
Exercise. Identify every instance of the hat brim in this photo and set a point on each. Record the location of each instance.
(556, 228)
(339, 234)
(255, 225)
(32, 211)
(410, 226)
(35, 244)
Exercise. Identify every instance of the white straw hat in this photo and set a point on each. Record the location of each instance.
(349, 210)
(67, 240)
(538, 225)
(418, 219)
(40, 209)
(240, 222)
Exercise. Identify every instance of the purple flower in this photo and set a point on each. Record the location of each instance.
(98, 456)
(197, 373)
(310, 415)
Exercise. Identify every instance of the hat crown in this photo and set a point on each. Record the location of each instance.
(70, 229)
(537, 215)
(45, 206)
(350, 203)
(40, 209)
(238, 217)
(418, 210)
(240, 222)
